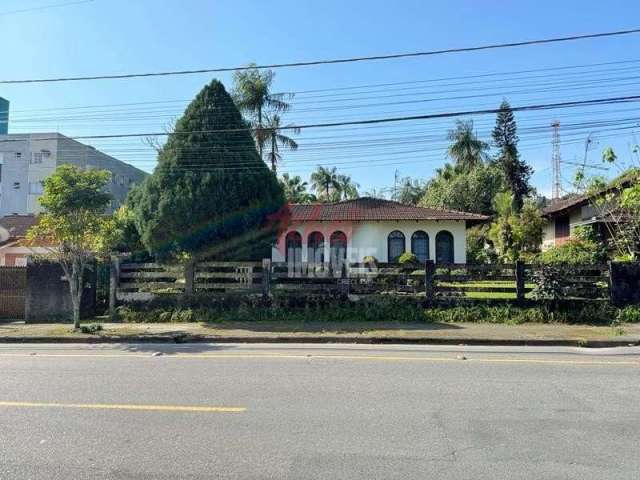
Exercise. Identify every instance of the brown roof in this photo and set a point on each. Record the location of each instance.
(560, 206)
(565, 204)
(367, 208)
(17, 225)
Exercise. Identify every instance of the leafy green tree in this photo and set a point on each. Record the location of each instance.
(252, 94)
(466, 149)
(469, 191)
(618, 202)
(295, 189)
(479, 247)
(515, 235)
(275, 139)
(516, 171)
(74, 224)
(501, 230)
(210, 196)
(410, 191)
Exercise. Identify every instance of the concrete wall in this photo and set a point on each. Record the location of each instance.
(370, 238)
(48, 298)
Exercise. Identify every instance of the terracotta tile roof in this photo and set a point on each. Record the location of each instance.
(17, 225)
(367, 208)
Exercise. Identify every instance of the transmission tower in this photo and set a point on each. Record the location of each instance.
(555, 160)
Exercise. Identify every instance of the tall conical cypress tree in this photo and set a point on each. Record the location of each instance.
(516, 171)
(210, 196)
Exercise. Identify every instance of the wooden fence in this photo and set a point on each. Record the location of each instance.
(13, 288)
(143, 281)
(452, 282)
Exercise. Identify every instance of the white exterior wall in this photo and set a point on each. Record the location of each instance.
(549, 228)
(548, 234)
(370, 237)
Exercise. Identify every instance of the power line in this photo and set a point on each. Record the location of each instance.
(45, 7)
(547, 106)
(334, 61)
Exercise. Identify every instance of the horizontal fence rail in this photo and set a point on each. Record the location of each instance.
(516, 282)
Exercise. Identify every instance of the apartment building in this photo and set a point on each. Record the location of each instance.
(27, 159)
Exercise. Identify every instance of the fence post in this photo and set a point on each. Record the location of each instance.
(189, 277)
(266, 277)
(519, 281)
(429, 287)
(114, 282)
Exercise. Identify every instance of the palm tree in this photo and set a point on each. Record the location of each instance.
(447, 172)
(325, 182)
(295, 189)
(347, 188)
(252, 95)
(467, 150)
(272, 134)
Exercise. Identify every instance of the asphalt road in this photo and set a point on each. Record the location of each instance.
(318, 412)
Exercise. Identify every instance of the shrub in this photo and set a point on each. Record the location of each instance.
(575, 251)
(630, 314)
(91, 328)
(370, 259)
(408, 258)
(386, 308)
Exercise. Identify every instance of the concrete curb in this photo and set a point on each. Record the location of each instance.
(603, 343)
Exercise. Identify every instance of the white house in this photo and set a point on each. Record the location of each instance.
(351, 230)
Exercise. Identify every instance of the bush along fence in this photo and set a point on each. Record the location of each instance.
(434, 284)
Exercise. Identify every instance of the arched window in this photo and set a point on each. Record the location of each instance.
(315, 248)
(420, 245)
(293, 248)
(395, 246)
(338, 249)
(444, 247)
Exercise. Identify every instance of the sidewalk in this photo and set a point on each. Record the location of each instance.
(355, 332)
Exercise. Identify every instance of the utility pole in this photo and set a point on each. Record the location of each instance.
(556, 160)
(395, 184)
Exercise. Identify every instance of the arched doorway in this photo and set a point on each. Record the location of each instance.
(395, 246)
(420, 245)
(338, 249)
(315, 248)
(444, 247)
(293, 248)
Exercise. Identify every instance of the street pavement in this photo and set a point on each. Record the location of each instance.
(318, 412)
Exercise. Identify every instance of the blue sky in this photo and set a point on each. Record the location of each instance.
(119, 36)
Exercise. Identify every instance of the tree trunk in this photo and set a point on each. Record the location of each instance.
(75, 285)
(273, 153)
(259, 136)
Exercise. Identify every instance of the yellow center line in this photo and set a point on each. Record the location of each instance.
(109, 406)
(379, 358)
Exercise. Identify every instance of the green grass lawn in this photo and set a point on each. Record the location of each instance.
(467, 288)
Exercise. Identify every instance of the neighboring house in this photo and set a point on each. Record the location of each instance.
(351, 230)
(27, 159)
(13, 248)
(564, 215)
